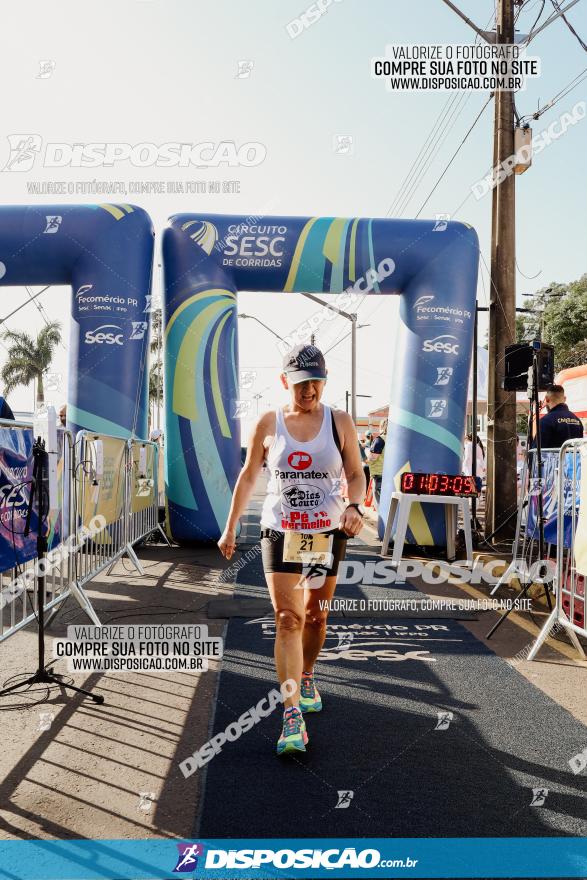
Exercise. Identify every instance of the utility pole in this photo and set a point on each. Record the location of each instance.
(501, 405)
(354, 368)
(353, 319)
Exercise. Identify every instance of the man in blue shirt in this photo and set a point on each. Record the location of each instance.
(559, 424)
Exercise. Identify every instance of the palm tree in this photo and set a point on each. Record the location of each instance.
(156, 330)
(155, 389)
(155, 371)
(29, 359)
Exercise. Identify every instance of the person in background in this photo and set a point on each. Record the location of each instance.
(481, 469)
(375, 458)
(5, 411)
(559, 424)
(364, 442)
(63, 416)
(520, 457)
(156, 436)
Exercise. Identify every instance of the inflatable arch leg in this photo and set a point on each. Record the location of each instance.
(105, 252)
(208, 258)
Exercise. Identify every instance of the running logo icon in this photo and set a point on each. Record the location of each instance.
(344, 800)
(441, 222)
(245, 68)
(23, 151)
(444, 375)
(138, 329)
(444, 719)
(187, 860)
(539, 796)
(437, 408)
(53, 223)
(46, 68)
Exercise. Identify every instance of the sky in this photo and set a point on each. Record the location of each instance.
(155, 71)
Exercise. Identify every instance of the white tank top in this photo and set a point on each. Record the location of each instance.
(305, 482)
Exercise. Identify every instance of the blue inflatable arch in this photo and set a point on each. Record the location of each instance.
(208, 258)
(105, 252)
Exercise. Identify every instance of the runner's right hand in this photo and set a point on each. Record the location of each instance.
(227, 543)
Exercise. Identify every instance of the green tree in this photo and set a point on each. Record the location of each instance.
(155, 388)
(156, 331)
(575, 356)
(156, 368)
(29, 358)
(559, 316)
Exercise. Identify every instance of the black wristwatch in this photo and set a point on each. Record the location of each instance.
(358, 506)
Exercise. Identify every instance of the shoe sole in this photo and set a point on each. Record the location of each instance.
(290, 748)
(314, 707)
(294, 747)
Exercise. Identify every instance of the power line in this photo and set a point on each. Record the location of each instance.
(576, 81)
(572, 85)
(534, 33)
(421, 160)
(442, 136)
(538, 17)
(569, 25)
(409, 175)
(454, 155)
(38, 305)
(448, 127)
(22, 305)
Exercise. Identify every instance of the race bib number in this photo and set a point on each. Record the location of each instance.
(309, 548)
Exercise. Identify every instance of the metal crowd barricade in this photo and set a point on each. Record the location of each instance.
(571, 548)
(142, 490)
(101, 489)
(18, 584)
(525, 546)
(101, 475)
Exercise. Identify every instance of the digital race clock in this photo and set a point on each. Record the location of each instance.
(438, 484)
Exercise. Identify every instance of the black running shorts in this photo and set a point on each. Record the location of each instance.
(272, 554)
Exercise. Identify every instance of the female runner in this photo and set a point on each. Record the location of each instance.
(304, 523)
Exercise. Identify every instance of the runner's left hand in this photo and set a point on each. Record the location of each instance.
(351, 522)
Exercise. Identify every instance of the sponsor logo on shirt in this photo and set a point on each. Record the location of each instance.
(302, 497)
(301, 521)
(296, 475)
(299, 460)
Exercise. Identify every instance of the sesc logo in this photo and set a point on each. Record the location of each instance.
(299, 461)
(98, 336)
(12, 495)
(441, 345)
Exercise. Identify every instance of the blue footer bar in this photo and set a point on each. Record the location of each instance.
(494, 857)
